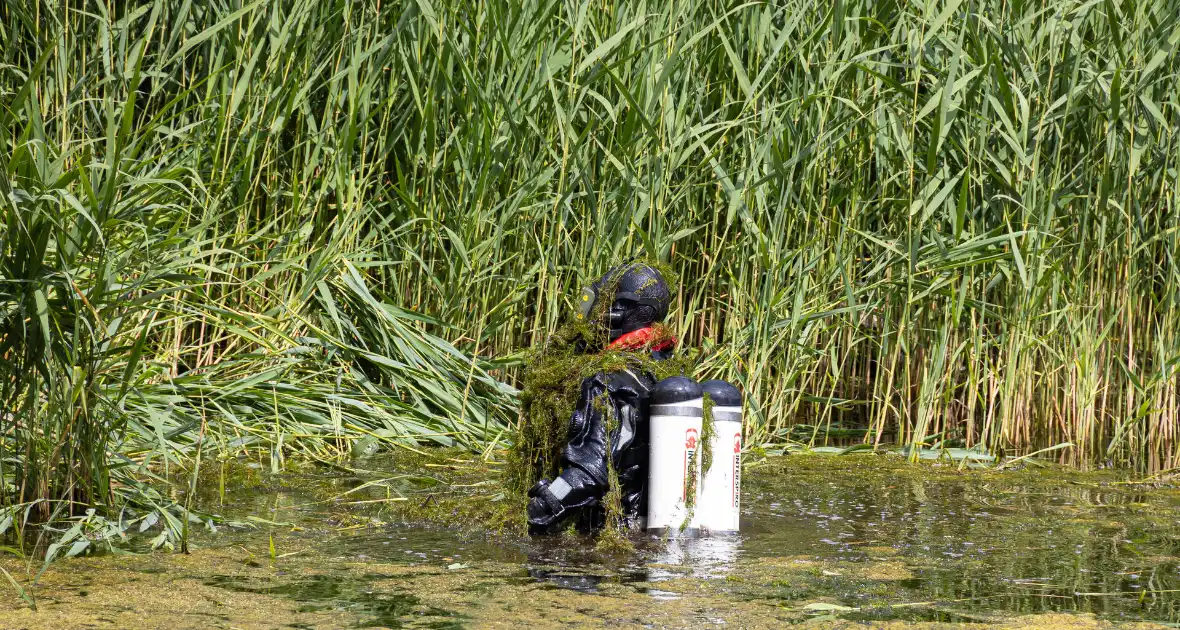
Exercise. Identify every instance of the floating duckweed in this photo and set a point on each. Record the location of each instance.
(467, 494)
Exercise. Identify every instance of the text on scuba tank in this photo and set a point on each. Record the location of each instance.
(737, 469)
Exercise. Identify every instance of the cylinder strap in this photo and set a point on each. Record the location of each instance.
(676, 410)
(552, 503)
(727, 416)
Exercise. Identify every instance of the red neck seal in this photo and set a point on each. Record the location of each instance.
(651, 338)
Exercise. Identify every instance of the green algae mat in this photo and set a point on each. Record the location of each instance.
(845, 542)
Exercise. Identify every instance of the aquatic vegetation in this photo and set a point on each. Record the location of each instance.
(284, 227)
(831, 541)
(442, 488)
(552, 386)
(552, 382)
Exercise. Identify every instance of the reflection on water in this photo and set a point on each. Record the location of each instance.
(701, 557)
(1020, 545)
(862, 531)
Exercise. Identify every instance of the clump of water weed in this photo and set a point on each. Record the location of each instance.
(703, 461)
(553, 378)
(465, 493)
(708, 431)
(552, 385)
(611, 538)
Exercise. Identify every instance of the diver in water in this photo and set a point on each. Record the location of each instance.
(640, 302)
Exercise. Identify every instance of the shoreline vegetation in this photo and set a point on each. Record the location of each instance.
(301, 229)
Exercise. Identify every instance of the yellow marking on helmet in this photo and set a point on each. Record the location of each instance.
(585, 298)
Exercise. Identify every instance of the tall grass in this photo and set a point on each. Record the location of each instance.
(289, 223)
(152, 300)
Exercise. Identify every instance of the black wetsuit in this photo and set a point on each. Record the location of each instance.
(577, 492)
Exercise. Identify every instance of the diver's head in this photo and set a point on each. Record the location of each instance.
(641, 298)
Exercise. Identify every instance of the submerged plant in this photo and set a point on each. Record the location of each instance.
(552, 386)
(553, 377)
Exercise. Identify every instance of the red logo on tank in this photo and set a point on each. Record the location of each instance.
(690, 455)
(737, 442)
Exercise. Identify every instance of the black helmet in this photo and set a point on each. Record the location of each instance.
(641, 298)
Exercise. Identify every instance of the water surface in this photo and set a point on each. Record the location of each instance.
(828, 540)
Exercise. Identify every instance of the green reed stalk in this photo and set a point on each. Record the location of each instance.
(951, 222)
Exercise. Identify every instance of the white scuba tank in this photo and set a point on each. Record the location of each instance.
(674, 448)
(719, 506)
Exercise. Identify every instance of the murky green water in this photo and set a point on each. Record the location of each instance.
(1023, 543)
(825, 539)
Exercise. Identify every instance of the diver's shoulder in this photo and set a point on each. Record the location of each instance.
(630, 379)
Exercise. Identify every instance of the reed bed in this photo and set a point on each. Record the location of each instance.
(290, 224)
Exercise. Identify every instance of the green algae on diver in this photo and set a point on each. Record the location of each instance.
(550, 389)
(553, 372)
(582, 441)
